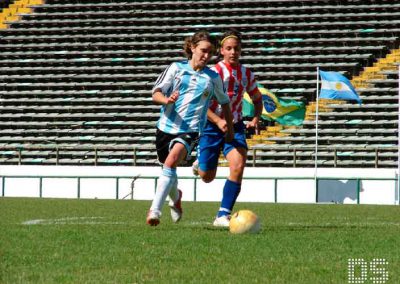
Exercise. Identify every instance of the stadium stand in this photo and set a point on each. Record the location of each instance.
(76, 77)
(4, 4)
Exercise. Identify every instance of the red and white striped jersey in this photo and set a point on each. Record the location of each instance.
(237, 80)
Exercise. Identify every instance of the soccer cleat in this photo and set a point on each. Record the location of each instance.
(195, 168)
(176, 208)
(153, 217)
(222, 221)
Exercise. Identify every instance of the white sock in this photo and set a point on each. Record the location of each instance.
(174, 194)
(166, 181)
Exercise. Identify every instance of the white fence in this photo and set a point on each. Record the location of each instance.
(281, 185)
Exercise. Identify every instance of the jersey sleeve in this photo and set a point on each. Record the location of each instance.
(165, 81)
(219, 91)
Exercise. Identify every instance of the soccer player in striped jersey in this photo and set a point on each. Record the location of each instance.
(237, 80)
(184, 90)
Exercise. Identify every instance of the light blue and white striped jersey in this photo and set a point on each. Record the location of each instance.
(189, 113)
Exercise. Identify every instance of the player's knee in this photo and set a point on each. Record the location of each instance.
(237, 168)
(207, 176)
(207, 179)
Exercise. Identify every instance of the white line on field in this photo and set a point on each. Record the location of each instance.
(71, 221)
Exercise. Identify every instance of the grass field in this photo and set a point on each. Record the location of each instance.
(107, 241)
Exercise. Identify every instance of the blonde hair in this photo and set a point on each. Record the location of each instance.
(193, 40)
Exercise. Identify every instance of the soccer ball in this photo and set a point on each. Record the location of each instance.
(244, 221)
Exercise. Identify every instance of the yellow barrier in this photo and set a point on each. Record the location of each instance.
(387, 63)
(12, 13)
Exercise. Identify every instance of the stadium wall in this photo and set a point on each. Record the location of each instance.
(281, 185)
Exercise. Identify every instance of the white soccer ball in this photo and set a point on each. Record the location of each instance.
(244, 221)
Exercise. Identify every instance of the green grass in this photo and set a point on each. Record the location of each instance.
(107, 241)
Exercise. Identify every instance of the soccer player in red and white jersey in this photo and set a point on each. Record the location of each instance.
(237, 79)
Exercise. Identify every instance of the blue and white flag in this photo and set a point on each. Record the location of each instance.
(337, 87)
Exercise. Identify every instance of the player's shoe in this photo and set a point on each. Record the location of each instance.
(153, 217)
(176, 208)
(195, 168)
(222, 221)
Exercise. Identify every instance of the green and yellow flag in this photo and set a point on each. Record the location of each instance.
(283, 111)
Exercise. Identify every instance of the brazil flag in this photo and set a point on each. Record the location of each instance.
(283, 111)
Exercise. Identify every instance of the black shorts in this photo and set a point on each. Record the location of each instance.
(165, 141)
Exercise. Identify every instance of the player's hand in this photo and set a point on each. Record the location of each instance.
(222, 125)
(252, 124)
(173, 97)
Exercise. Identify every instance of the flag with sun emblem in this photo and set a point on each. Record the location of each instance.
(283, 111)
(337, 87)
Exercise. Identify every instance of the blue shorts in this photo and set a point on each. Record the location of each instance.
(212, 142)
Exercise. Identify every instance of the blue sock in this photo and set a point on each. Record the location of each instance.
(229, 196)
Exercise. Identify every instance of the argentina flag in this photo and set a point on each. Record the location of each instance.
(337, 87)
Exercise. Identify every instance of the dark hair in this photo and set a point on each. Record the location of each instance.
(230, 33)
(193, 40)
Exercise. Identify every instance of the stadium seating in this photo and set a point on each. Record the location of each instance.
(76, 77)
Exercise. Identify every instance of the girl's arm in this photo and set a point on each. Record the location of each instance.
(226, 109)
(159, 98)
(258, 108)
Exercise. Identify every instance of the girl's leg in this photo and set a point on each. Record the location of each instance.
(237, 161)
(166, 181)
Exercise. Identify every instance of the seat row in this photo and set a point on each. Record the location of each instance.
(79, 74)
